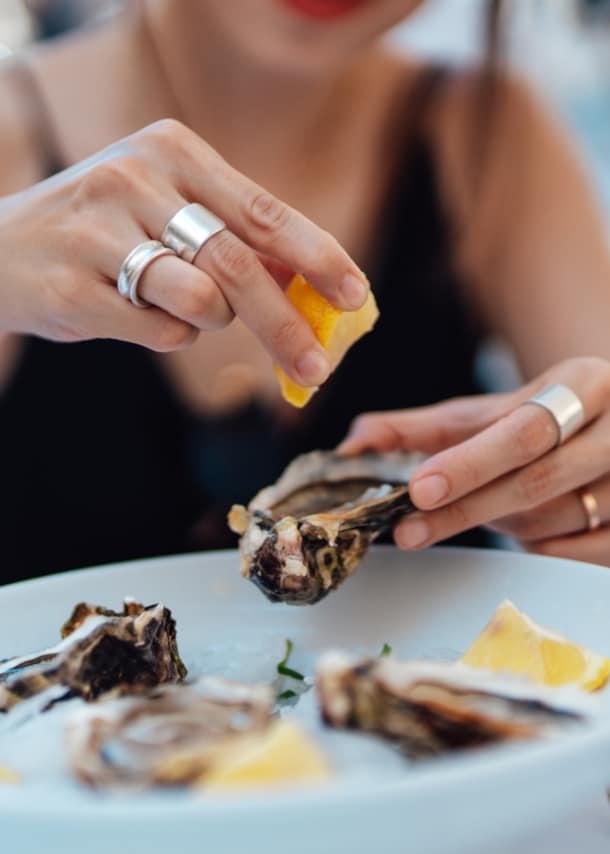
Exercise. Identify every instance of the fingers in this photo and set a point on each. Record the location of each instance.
(282, 274)
(227, 278)
(272, 227)
(95, 213)
(580, 461)
(257, 217)
(105, 314)
(512, 442)
(256, 297)
(561, 516)
(232, 279)
(428, 428)
(180, 289)
(517, 439)
(185, 292)
(592, 547)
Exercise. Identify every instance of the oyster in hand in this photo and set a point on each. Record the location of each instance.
(101, 651)
(431, 707)
(303, 536)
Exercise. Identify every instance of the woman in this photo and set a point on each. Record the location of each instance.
(112, 452)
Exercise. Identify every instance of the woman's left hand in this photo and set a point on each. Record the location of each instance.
(496, 462)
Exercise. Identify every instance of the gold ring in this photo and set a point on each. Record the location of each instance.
(591, 508)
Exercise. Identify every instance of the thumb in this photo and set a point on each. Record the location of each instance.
(427, 428)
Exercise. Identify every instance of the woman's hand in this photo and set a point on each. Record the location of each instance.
(496, 462)
(63, 241)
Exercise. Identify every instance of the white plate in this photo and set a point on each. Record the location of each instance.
(425, 605)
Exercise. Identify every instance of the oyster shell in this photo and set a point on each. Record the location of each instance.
(432, 707)
(101, 650)
(168, 737)
(303, 536)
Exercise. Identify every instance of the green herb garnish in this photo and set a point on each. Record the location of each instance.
(386, 649)
(287, 695)
(282, 667)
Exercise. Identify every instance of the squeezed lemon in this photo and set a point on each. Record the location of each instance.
(8, 776)
(336, 331)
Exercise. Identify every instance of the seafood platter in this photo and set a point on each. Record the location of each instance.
(168, 702)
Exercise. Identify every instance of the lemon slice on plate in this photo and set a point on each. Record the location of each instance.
(512, 641)
(282, 755)
(8, 776)
(336, 331)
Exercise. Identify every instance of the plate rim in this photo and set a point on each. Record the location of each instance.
(444, 773)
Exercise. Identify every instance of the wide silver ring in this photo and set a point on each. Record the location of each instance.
(565, 407)
(133, 267)
(189, 229)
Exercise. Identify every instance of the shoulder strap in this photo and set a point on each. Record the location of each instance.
(414, 103)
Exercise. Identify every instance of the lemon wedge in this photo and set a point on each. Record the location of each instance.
(336, 331)
(284, 754)
(512, 641)
(8, 776)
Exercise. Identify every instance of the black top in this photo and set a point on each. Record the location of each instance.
(100, 461)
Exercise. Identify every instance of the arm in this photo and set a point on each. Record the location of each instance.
(533, 243)
(533, 248)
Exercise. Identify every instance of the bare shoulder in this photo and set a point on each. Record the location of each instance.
(84, 80)
(19, 153)
(45, 92)
(84, 85)
(499, 148)
(484, 122)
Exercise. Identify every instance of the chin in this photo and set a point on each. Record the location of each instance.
(297, 60)
(303, 38)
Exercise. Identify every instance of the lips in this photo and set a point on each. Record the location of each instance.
(324, 9)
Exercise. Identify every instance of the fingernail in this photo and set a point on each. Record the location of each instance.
(429, 490)
(354, 291)
(413, 534)
(313, 368)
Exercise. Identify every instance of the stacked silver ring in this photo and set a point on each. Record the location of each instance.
(133, 267)
(183, 236)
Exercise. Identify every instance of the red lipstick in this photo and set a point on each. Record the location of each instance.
(324, 9)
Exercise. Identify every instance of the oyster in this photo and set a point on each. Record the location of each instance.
(168, 737)
(303, 536)
(431, 707)
(101, 650)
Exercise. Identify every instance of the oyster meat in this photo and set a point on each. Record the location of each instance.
(431, 707)
(101, 651)
(168, 737)
(303, 536)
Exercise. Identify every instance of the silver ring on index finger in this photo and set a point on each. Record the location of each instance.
(189, 230)
(565, 407)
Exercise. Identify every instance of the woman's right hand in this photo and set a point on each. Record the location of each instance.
(62, 243)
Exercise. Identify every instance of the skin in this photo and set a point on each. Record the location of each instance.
(530, 244)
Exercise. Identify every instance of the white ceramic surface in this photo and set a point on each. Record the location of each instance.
(426, 605)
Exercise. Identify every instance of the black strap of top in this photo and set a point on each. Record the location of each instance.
(414, 104)
(405, 136)
(40, 118)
